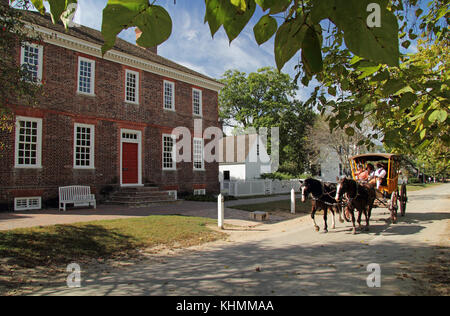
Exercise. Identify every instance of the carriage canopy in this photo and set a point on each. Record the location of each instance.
(392, 167)
(375, 157)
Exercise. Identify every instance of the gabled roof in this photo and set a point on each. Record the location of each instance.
(240, 145)
(96, 37)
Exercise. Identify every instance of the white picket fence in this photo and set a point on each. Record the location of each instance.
(259, 187)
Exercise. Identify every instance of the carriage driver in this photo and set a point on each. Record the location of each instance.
(378, 176)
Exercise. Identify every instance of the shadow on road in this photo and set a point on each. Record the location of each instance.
(257, 269)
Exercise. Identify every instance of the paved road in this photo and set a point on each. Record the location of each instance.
(290, 258)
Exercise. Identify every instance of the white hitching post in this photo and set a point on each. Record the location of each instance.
(220, 211)
(292, 201)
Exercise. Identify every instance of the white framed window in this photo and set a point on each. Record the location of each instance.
(199, 162)
(169, 152)
(197, 102)
(83, 152)
(86, 76)
(27, 203)
(131, 86)
(169, 95)
(173, 193)
(28, 146)
(31, 60)
(200, 192)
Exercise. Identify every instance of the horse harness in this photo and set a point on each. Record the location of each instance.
(323, 194)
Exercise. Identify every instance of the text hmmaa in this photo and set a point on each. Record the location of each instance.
(226, 306)
(245, 305)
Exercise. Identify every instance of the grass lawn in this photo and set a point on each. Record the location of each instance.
(420, 186)
(62, 244)
(283, 206)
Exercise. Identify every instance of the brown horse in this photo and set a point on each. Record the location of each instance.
(358, 197)
(322, 199)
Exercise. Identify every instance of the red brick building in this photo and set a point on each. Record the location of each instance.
(103, 121)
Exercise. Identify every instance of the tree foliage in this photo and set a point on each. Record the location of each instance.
(15, 81)
(352, 47)
(408, 103)
(266, 98)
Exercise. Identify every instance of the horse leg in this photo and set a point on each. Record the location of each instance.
(352, 213)
(359, 218)
(339, 210)
(313, 213)
(333, 219)
(367, 213)
(325, 214)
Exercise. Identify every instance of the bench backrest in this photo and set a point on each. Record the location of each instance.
(68, 193)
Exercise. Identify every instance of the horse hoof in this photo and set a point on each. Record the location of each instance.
(354, 231)
(325, 231)
(333, 227)
(317, 228)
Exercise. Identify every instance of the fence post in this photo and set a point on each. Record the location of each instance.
(220, 210)
(292, 201)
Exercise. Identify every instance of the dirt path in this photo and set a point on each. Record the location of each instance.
(290, 258)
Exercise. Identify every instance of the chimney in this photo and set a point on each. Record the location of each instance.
(151, 49)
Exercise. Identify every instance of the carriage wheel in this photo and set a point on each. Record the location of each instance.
(393, 206)
(403, 200)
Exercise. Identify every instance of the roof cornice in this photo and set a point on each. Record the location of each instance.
(73, 43)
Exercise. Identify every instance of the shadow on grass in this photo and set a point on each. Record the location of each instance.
(61, 244)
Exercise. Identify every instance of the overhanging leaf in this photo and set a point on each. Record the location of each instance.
(438, 115)
(275, 6)
(39, 5)
(289, 40)
(154, 22)
(241, 4)
(265, 29)
(378, 44)
(312, 52)
(233, 19)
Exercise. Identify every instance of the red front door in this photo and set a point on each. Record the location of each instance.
(130, 163)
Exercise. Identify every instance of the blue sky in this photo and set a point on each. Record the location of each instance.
(191, 43)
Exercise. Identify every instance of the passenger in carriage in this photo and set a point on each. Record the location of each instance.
(370, 171)
(362, 174)
(379, 176)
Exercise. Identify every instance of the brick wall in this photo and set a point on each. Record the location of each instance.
(61, 107)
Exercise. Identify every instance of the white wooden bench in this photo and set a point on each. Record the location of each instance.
(77, 195)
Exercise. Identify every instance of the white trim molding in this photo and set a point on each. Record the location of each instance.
(90, 147)
(91, 78)
(30, 141)
(40, 59)
(27, 203)
(200, 102)
(135, 137)
(173, 152)
(136, 86)
(79, 45)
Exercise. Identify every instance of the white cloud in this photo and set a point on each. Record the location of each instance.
(192, 45)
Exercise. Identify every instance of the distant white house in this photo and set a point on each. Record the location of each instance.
(329, 166)
(242, 157)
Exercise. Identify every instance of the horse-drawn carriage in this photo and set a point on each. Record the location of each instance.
(389, 195)
(350, 195)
